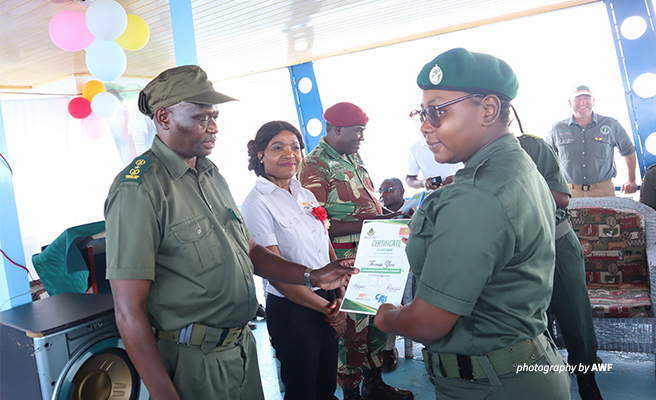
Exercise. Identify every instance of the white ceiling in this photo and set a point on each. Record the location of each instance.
(241, 37)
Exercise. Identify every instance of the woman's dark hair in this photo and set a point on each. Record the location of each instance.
(504, 111)
(262, 138)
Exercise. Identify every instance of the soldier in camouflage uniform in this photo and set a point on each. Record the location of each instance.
(335, 173)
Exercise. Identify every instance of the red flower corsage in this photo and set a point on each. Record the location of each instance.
(321, 215)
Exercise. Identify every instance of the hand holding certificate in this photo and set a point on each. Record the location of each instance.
(383, 267)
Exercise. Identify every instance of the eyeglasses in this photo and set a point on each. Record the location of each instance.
(389, 189)
(434, 113)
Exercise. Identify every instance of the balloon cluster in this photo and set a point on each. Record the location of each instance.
(94, 105)
(105, 32)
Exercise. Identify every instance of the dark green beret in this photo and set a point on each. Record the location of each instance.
(461, 70)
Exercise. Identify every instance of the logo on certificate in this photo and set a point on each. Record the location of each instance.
(381, 298)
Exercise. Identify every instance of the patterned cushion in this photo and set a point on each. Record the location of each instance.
(614, 244)
(624, 300)
(616, 269)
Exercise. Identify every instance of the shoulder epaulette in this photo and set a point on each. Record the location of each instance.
(528, 135)
(136, 170)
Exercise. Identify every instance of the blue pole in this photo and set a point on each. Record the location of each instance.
(636, 57)
(308, 104)
(184, 36)
(14, 283)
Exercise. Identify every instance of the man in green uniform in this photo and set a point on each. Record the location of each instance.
(569, 302)
(482, 248)
(180, 258)
(337, 177)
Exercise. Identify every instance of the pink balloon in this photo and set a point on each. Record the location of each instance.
(68, 31)
(93, 126)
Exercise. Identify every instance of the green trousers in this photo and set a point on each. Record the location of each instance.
(551, 385)
(570, 302)
(225, 373)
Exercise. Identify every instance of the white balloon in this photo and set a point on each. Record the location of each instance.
(104, 105)
(106, 60)
(106, 19)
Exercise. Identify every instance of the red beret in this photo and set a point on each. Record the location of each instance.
(345, 114)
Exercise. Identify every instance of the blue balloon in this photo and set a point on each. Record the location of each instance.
(106, 60)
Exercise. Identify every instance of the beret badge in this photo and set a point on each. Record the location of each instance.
(435, 75)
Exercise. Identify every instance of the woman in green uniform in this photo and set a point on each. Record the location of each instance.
(482, 248)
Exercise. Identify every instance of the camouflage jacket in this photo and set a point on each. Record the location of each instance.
(341, 184)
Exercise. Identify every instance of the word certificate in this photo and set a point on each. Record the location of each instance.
(383, 267)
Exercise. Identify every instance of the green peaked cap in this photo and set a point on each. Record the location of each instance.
(461, 70)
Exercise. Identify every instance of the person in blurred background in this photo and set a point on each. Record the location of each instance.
(648, 187)
(421, 161)
(391, 194)
(585, 144)
(570, 302)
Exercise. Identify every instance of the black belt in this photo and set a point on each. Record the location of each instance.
(503, 361)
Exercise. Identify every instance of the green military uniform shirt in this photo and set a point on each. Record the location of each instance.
(180, 227)
(341, 185)
(570, 302)
(483, 248)
(547, 163)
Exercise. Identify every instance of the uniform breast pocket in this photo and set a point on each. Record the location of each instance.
(287, 232)
(565, 145)
(345, 186)
(564, 139)
(199, 245)
(289, 222)
(603, 147)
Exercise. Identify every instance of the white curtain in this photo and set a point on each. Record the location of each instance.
(60, 176)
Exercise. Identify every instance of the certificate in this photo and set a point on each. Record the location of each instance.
(383, 267)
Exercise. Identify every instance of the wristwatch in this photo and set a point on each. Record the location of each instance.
(306, 278)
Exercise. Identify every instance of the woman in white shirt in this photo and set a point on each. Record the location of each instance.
(286, 218)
